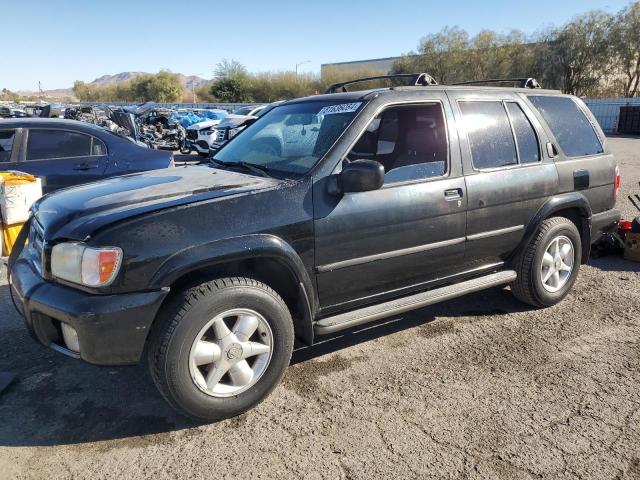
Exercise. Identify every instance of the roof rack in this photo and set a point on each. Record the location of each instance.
(423, 79)
(528, 82)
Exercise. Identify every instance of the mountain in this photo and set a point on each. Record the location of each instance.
(188, 81)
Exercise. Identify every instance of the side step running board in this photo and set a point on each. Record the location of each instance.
(401, 305)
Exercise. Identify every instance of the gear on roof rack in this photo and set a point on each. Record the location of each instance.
(418, 79)
(528, 82)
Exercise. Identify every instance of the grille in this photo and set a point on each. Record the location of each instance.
(221, 135)
(192, 134)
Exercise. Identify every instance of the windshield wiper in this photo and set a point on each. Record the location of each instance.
(256, 169)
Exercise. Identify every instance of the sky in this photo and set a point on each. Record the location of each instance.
(58, 42)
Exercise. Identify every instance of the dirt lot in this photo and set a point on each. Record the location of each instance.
(481, 388)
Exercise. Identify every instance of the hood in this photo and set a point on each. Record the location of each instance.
(75, 213)
(233, 121)
(205, 124)
(126, 121)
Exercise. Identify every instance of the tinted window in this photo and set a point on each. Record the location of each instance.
(409, 141)
(98, 147)
(44, 144)
(572, 129)
(489, 133)
(6, 142)
(528, 151)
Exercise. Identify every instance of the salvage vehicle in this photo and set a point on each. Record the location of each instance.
(201, 135)
(378, 202)
(64, 153)
(236, 122)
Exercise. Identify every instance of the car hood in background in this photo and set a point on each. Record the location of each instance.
(75, 213)
(205, 124)
(233, 121)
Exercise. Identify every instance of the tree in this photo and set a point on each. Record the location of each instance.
(581, 51)
(164, 87)
(232, 82)
(230, 69)
(625, 41)
(230, 90)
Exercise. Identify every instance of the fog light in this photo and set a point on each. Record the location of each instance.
(70, 337)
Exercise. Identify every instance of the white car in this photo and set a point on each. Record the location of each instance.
(201, 136)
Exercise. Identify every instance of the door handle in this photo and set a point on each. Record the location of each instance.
(84, 166)
(453, 194)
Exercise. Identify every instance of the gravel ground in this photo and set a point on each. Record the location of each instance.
(480, 388)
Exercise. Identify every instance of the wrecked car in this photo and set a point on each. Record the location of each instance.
(201, 135)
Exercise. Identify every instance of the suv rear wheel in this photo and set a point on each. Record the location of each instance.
(549, 264)
(221, 347)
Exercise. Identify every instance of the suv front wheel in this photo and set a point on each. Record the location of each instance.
(221, 347)
(548, 266)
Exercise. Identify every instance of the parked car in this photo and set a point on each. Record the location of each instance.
(378, 202)
(66, 152)
(249, 110)
(235, 123)
(201, 135)
(8, 112)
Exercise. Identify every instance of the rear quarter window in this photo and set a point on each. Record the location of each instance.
(6, 144)
(572, 129)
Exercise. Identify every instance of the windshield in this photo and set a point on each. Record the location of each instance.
(291, 138)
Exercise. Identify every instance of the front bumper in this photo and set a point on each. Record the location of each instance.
(111, 329)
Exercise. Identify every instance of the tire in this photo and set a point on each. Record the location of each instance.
(172, 346)
(530, 286)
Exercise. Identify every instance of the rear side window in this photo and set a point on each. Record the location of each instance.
(98, 147)
(6, 144)
(526, 137)
(570, 126)
(45, 144)
(490, 135)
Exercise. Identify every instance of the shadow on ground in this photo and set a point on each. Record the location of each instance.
(57, 400)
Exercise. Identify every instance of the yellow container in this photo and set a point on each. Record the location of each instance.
(9, 236)
(16, 178)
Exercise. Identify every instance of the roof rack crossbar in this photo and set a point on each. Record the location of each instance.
(421, 79)
(526, 82)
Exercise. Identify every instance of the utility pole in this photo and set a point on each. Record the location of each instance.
(301, 63)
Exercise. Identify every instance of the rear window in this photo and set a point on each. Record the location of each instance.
(570, 126)
(6, 143)
(45, 144)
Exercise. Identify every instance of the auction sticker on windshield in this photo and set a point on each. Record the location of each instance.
(340, 108)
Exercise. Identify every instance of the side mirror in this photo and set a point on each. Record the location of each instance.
(361, 176)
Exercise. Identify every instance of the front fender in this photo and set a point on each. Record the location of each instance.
(558, 203)
(230, 250)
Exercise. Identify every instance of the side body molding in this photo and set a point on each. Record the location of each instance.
(564, 201)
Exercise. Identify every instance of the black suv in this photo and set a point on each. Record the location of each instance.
(326, 213)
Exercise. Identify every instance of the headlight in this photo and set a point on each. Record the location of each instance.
(77, 263)
(208, 131)
(233, 132)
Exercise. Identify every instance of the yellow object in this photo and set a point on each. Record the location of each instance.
(18, 191)
(16, 178)
(9, 236)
